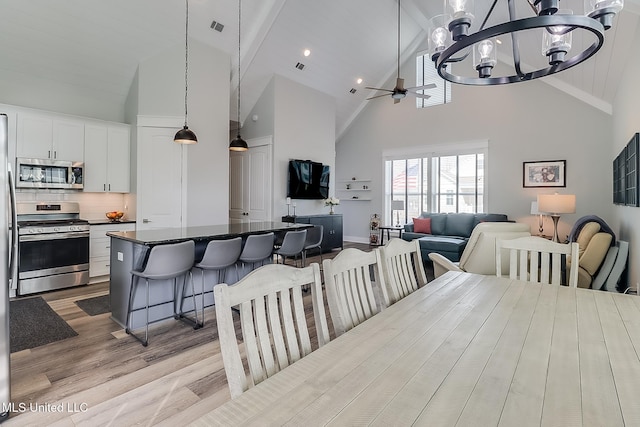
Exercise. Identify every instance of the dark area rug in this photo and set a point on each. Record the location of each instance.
(95, 306)
(34, 323)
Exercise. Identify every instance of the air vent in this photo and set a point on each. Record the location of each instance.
(217, 26)
(300, 66)
(352, 90)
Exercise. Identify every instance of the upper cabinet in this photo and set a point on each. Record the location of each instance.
(42, 136)
(106, 158)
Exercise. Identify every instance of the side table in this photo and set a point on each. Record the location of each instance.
(389, 228)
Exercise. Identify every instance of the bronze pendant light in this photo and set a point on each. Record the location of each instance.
(239, 144)
(186, 135)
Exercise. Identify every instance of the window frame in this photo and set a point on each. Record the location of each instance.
(428, 175)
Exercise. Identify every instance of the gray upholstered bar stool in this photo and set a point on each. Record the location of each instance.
(257, 251)
(218, 257)
(292, 245)
(165, 262)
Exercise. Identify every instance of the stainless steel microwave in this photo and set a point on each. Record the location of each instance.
(45, 173)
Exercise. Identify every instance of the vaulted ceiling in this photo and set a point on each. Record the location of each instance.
(96, 44)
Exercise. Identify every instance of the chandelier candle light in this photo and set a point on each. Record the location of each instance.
(451, 39)
(331, 202)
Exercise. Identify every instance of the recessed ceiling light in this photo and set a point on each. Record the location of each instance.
(359, 81)
(498, 41)
(306, 52)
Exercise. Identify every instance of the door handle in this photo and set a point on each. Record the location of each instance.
(145, 220)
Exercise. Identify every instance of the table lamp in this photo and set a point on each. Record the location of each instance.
(397, 206)
(554, 205)
(535, 211)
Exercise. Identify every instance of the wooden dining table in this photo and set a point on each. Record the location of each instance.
(465, 350)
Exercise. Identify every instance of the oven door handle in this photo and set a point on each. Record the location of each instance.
(54, 236)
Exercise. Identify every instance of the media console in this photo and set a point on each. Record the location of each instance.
(332, 224)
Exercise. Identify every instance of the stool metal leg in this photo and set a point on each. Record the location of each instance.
(132, 292)
(181, 315)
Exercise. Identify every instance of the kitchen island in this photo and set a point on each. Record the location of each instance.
(129, 250)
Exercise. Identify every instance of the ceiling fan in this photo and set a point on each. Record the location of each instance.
(399, 92)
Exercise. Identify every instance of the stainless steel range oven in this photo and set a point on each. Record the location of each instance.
(53, 246)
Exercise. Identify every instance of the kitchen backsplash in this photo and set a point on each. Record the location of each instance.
(93, 206)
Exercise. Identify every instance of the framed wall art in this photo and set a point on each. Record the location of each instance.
(548, 173)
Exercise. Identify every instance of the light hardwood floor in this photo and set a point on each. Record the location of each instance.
(105, 377)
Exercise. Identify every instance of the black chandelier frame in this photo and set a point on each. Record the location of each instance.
(513, 27)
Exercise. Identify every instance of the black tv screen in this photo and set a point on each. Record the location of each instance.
(308, 180)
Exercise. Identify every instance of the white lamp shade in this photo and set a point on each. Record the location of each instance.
(557, 203)
(397, 205)
(534, 208)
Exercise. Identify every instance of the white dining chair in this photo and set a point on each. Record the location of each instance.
(402, 267)
(536, 259)
(274, 326)
(351, 294)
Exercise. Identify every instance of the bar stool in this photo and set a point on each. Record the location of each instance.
(292, 245)
(164, 262)
(218, 256)
(258, 248)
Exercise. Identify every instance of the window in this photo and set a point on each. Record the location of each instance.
(436, 182)
(425, 74)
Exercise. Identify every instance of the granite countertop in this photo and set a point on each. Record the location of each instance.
(209, 232)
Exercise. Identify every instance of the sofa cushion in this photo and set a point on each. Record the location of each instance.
(591, 259)
(422, 225)
(460, 224)
(410, 235)
(442, 243)
(586, 234)
(438, 223)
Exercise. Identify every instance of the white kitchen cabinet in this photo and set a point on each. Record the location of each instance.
(43, 136)
(100, 248)
(107, 159)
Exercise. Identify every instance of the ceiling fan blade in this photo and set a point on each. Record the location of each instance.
(400, 83)
(429, 86)
(377, 88)
(379, 96)
(419, 95)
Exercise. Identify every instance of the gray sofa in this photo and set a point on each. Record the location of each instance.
(449, 232)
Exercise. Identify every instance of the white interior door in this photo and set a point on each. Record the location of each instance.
(250, 188)
(160, 181)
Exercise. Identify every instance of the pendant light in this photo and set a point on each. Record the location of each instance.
(239, 144)
(186, 135)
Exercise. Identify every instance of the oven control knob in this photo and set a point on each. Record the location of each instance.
(73, 228)
(39, 230)
(56, 229)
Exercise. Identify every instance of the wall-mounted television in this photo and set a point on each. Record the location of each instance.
(308, 180)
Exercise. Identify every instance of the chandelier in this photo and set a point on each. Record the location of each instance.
(451, 40)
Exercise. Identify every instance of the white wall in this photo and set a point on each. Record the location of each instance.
(626, 122)
(303, 128)
(263, 110)
(161, 93)
(522, 122)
